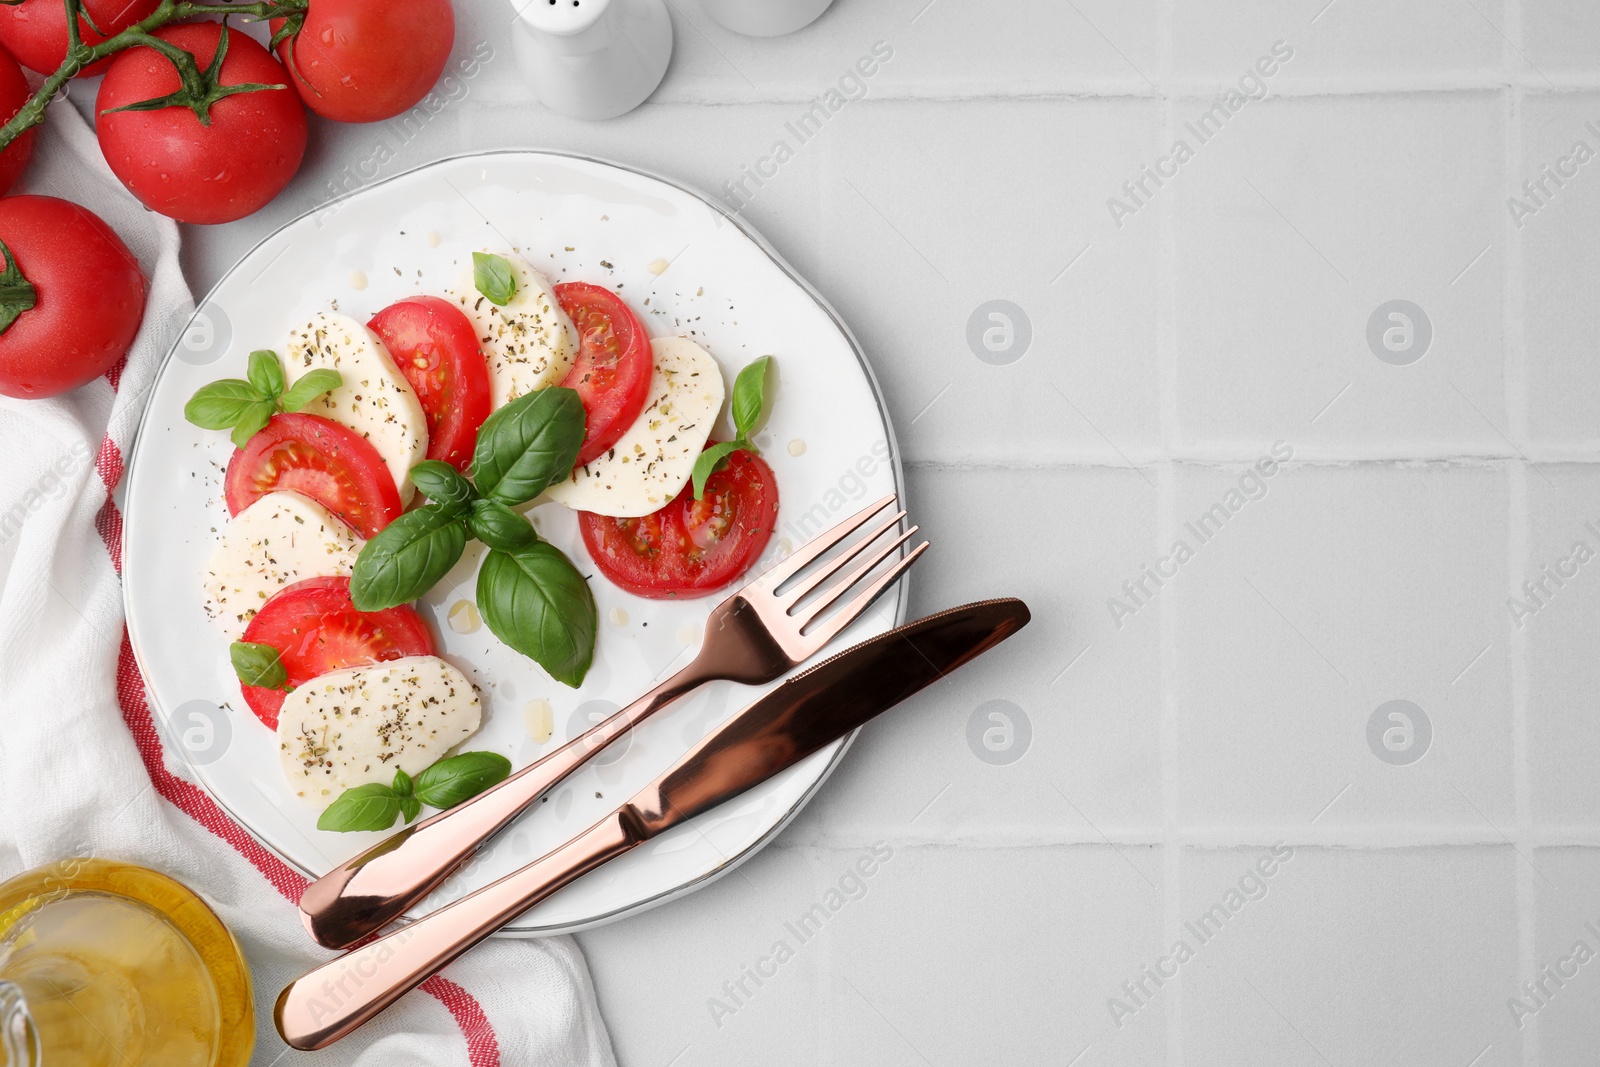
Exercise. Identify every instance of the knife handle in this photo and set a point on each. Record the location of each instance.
(365, 894)
(328, 1002)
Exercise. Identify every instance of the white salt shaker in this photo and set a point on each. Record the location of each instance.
(765, 18)
(592, 59)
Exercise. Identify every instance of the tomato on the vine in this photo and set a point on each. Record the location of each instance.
(212, 155)
(35, 31)
(71, 296)
(14, 93)
(691, 547)
(362, 61)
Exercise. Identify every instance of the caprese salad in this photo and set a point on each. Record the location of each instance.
(368, 456)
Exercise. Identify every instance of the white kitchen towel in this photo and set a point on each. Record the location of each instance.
(83, 768)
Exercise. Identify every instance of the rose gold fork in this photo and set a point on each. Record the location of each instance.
(755, 636)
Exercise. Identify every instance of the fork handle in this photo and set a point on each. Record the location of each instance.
(326, 1003)
(366, 893)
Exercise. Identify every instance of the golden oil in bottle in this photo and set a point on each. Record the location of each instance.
(104, 964)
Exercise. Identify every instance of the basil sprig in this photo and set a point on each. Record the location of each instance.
(749, 398)
(493, 278)
(245, 405)
(531, 595)
(445, 784)
(258, 665)
(442, 483)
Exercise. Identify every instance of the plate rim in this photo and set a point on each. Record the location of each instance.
(902, 605)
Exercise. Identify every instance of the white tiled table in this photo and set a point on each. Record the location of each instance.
(1227, 313)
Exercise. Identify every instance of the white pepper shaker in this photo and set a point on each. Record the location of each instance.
(765, 18)
(592, 59)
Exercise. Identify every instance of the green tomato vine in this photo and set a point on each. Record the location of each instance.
(200, 88)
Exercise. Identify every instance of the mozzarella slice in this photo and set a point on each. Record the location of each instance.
(355, 726)
(655, 458)
(530, 343)
(375, 400)
(280, 539)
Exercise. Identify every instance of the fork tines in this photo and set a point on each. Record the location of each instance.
(813, 550)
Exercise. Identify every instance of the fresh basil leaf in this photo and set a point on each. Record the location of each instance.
(528, 445)
(535, 601)
(407, 557)
(410, 807)
(366, 807)
(749, 397)
(443, 484)
(258, 665)
(221, 404)
(458, 778)
(709, 462)
(493, 278)
(499, 527)
(255, 416)
(306, 389)
(266, 374)
(402, 783)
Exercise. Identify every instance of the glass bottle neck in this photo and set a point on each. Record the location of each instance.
(19, 1045)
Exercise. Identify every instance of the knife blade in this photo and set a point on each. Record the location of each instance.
(820, 705)
(803, 715)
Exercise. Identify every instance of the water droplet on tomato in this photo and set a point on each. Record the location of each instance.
(326, 35)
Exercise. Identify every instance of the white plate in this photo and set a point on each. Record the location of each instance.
(407, 235)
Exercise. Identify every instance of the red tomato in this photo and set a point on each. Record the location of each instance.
(13, 94)
(330, 463)
(194, 172)
(88, 297)
(612, 371)
(362, 61)
(690, 547)
(436, 348)
(35, 31)
(316, 629)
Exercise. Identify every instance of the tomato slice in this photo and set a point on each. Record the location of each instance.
(690, 548)
(316, 629)
(330, 463)
(436, 348)
(612, 371)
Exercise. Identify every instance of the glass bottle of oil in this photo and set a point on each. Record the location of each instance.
(105, 964)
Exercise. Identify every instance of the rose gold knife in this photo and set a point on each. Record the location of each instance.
(804, 714)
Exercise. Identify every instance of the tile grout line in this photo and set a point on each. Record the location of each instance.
(1138, 462)
(1166, 523)
(1191, 89)
(828, 967)
(1381, 838)
(1518, 527)
(1518, 531)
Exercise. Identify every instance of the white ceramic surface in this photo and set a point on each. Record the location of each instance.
(687, 268)
(592, 59)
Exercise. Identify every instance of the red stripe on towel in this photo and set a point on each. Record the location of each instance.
(483, 1047)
